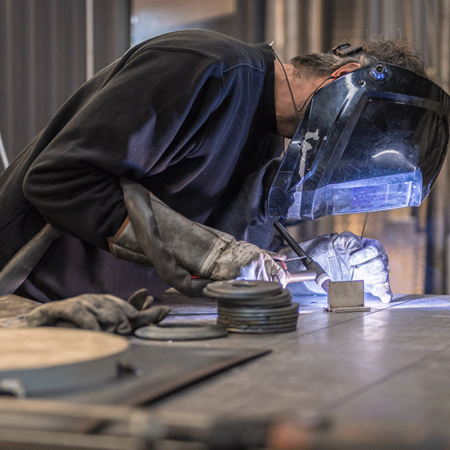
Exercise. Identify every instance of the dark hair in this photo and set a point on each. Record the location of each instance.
(398, 52)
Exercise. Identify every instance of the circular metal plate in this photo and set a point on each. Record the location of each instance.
(255, 323)
(241, 289)
(81, 358)
(260, 330)
(181, 332)
(259, 320)
(268, 326)
(273, 301)
(259, 312)
(263, 320)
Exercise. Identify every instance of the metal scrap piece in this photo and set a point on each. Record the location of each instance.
(346, 296)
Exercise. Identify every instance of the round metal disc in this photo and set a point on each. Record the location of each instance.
(82, 358)
(273, 301)
(227, 320)
(262, 319)
(258, 312)
(254, 323)
(241, 289)
(272, 327)
(251, 330)
(259, 320)
(181, 332)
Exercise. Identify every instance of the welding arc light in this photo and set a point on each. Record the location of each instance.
(379, 72)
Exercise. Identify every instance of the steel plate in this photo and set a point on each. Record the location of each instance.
(262, 330)
(241, 289)
(273, 301)
(259, 312)
(257, 324)
(181, 332)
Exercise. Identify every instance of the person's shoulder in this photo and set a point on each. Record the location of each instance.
(210, 44)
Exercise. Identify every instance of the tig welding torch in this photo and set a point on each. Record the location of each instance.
(321, 278)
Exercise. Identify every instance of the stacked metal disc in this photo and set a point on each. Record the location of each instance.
(253, 306)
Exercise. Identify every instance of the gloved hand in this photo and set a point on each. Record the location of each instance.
(95, 312)
(152, 236)
(242, 260)
(347, 257)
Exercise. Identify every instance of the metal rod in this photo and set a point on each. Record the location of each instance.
(322, 278)
(291, 242)
(3, 155)
(89, 39)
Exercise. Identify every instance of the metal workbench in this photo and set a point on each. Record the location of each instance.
(389, 366)
(386, 371)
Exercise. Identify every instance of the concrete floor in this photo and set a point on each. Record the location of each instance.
(389, 368)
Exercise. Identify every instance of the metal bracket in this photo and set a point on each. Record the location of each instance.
(346, 296)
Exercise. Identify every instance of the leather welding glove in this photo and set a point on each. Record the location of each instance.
(96, 312)
(158, 236)
(345, 257)
(244, 261)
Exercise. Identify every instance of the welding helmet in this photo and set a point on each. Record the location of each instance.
(372, 140)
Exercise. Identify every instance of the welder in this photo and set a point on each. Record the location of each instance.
(166, 169)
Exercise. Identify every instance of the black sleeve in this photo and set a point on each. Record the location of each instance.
(141, 121)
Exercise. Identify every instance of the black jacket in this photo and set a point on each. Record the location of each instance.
(188, 115)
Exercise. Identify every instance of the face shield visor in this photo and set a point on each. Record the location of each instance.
(374, 139)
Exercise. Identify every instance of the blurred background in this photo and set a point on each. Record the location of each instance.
(48, 48)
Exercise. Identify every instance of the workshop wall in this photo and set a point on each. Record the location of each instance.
(43, 47)
(242, 19)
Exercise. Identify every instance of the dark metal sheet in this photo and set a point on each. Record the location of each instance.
(165, 369)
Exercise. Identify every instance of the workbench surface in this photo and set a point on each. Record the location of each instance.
(389, 366)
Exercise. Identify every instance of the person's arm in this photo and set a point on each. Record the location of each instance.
(178, 247)
(135, 124)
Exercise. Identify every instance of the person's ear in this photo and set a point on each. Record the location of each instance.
(344, 70)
